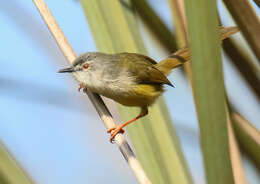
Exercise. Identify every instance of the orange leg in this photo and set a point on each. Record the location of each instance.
(119, 129)
(80, 87)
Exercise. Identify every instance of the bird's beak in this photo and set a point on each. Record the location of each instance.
(68, 70)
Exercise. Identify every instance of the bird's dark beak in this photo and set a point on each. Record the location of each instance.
(66, 70)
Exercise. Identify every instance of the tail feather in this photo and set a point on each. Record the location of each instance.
(183, 55)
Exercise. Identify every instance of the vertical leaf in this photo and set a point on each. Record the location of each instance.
(209, 92)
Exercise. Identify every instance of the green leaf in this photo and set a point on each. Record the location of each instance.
(10, 171)
(209, 93)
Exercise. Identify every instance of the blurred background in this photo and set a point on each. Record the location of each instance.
(53, 131)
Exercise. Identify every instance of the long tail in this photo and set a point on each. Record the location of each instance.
(183, 55)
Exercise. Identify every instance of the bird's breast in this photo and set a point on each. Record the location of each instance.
(124, 89)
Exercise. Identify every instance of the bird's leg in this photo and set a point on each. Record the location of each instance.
(80, 87)
(115, 130)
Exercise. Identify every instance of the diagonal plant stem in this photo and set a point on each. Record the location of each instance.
(10, 170)
(235, 154)
(102, 110)
(243, 64)
(257, 2)
(248, 137)
(247, 20)
(180, 22)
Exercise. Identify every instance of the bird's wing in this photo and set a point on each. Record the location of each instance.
(143, 67)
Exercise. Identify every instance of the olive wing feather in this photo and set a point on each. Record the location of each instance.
(143, 67)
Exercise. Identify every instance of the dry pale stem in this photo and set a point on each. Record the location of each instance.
(235, 155)
(101, 108)
(180, 15)
(249, 129)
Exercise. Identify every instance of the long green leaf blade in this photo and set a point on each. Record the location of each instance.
(209, 91)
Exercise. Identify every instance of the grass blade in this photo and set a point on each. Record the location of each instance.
(10, 171)
(209, 93)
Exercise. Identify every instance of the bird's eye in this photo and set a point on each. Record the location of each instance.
(85, 66)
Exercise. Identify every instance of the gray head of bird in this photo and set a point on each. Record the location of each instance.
(96, 70)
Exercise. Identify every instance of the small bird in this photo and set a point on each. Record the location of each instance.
(130, 79)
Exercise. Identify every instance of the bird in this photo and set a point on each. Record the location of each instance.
(131, 79)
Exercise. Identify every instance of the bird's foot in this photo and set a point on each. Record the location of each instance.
(80, 87)
(114, 131)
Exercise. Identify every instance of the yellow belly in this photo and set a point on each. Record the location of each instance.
(140, 95)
